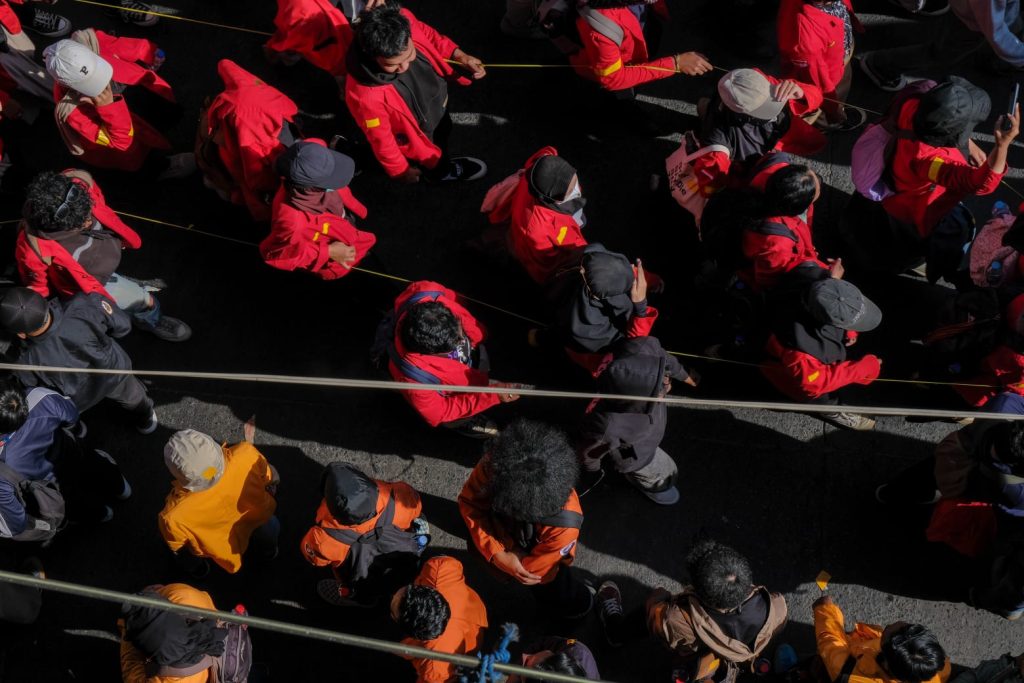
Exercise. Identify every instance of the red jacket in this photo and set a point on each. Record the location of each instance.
(438, 407)
(125, 55)
(245, 121)
(930, 181)
(8, 19)
(555, 546)
(717, 170)
(811, 44)
(315, 29)
(618, 67)
(1003, 370)
(381, 113)
(801, 376)
(111, 136)
(53, 268)
(299, 240)
(772, 256)
(543, 240)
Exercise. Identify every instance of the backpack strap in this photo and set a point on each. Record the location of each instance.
(563, 519)
(775, 229)
(387, 517)
(847, 670)
(406, 367)
(768, 160)
(14, 479)
(603, 25)
(349, 537)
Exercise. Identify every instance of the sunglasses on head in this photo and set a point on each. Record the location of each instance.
(65, 208)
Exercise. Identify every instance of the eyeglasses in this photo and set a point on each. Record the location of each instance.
(65, 208)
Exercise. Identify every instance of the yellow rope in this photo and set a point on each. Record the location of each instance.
(174, 16)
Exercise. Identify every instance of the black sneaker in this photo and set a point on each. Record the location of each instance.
(478, 427)
(168, 329)
(49, 24)
(465, 168)
(855, 118)
(139, 17)
(887, 84)
(609, 599)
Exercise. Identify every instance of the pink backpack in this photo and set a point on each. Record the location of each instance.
(988, 249)
(872, 153)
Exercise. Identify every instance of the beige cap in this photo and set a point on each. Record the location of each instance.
(195, 459)
(747, 91)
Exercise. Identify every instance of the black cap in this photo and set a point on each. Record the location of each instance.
(839, 303)
(550, 177)
(310, 164)
(22, 310)
(948, 113)
(351, 496)
(607, 274)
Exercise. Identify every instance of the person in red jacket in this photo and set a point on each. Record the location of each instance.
(440, 612)
(397, 92)
(524, 517)
(624, 64)
(70, 241)
(312, 222)
(437, 341)
(545, 216)
(1002, 370)
(807, 348)
(935, 164)
(752, 114)
(816, 45)
(315, 30)
(780, 243)
(241, 134)
(96, 125)
(356, 505)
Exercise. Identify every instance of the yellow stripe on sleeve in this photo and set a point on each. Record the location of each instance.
(372, 123)
(561, 234)
(608, 71)
(102, 138)
(814, 376)
(933, 170)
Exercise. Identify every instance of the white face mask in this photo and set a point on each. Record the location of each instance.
(575, 193)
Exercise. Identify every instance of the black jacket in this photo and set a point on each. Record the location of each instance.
(629, 432)
(81, 335)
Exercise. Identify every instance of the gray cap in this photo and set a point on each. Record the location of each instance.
(747, 91)
(76, 66)
(195, 459)
(839, 303)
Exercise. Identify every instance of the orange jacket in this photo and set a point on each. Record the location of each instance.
(555, 545)
(133, 662)
(216, 523)
(618, 67)
(835, 646)
(321, 549)
(465, 629)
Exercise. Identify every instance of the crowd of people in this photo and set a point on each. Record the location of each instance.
(736, 176)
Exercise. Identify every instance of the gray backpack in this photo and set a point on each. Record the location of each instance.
(43, 503)
(383, 539)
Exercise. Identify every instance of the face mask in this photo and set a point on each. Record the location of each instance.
(575, 193)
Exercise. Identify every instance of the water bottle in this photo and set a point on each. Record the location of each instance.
(1000, 208)
(994, 273)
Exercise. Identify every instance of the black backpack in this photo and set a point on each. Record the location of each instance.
(43, 502)
(382, 540)
(525, 533)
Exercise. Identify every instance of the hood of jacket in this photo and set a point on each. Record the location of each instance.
(351, 496)
(638, 370)
(709, 632)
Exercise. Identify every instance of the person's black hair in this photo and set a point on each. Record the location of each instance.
(532, 469)
(1008, 440)
(383, 32)
(559, 663)
(912, 654)
(13, 406)
(789, 191)
(423, 613)
(429, 327)
(720, 576)
(45, 194)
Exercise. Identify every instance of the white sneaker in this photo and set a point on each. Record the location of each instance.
(180, 166)
(853, 421)
(465, 168)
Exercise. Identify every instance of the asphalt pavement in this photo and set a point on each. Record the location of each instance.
(794, 495)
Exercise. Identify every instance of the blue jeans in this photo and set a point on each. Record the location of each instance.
(132, 298)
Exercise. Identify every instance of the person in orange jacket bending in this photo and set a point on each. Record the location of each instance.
(95, 123)
(312, 224)
(898, 653)
(524, 516)
(439, 612)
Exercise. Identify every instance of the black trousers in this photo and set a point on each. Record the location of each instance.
(87, 480)
(567, 596)
(131, 395)
(440, 137)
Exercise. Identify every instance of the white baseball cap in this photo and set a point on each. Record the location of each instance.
(747, 91)
(75, 66)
